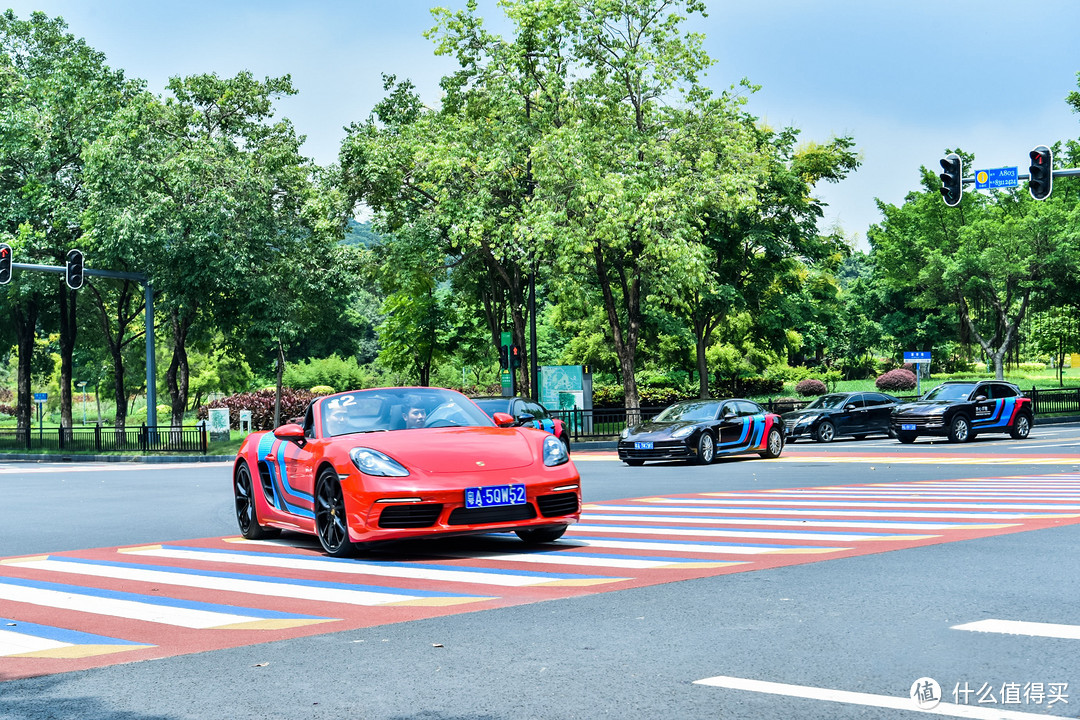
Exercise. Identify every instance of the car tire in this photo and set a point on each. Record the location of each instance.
(959, 429)
(247, 514)
(774, 445)
(906, 438)
(331, 524)
(1022, 428)
(706, 449)
(536, 536)
(634, 463)
(826, 432)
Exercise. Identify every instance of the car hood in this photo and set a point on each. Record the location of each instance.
(455, 449)
(922, 407)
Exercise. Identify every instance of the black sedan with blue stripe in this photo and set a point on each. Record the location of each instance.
(699, 431)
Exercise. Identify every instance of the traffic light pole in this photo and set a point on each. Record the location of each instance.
(148, 294)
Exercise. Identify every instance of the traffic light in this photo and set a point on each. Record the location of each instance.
(74, 274)
(504, 356)
(5, 264)
(1042, 172)
(515, 356)
(952, 180)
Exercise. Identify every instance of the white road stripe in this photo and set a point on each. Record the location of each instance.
(868, 699)
(351, 567)
(756, 534)
(209, 582)
(163, 614)
(1020, 627)
(775, 522)
(781, 500)
(710, 549)
(859, 513)
(13, 643)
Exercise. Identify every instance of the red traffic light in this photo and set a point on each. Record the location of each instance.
(5, 264)
(1041, 182)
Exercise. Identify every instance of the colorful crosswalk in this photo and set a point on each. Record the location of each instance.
(88, 608)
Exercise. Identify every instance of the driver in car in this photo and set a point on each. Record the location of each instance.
(415, 416)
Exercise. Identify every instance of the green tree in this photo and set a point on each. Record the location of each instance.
(56, 95)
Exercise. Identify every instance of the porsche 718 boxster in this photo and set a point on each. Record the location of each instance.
(397, 463)
(702, 430)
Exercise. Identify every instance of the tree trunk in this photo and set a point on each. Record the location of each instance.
(25, 326)
(179, 374)
(280, 373)
(625, 348)
(118, 386)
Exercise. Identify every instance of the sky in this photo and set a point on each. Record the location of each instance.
(908, 79)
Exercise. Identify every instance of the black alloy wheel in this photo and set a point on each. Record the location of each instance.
(826, 432)
(1022, 428)
(706, 449)
(959, 429)
(330, 521)
(774, 446)
(247, 516)
(535, 536)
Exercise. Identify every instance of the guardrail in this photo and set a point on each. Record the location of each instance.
(98, 438)
(606, 423)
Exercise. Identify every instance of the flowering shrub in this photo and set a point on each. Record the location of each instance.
(261, 404)
(899, 379)
(810, 387)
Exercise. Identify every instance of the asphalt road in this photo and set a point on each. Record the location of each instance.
(870, 624)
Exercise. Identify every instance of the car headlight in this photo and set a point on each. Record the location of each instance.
(373, 462)
(683, 432)
(625, 433)
(807, 420)
(554, 451)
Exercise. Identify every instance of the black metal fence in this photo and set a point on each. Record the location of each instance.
(98, 438)
(606, 423)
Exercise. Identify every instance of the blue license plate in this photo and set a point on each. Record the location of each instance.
(907, 426)
(494, 496)
(643, 446)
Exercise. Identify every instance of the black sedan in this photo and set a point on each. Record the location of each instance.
(959, 410)
(699, 431)
(857, 414)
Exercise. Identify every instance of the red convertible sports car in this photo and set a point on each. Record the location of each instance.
(396, 463)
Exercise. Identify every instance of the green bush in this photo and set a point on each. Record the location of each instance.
(322, 390)
(335, 372)
(811, 387)
(1032, 366)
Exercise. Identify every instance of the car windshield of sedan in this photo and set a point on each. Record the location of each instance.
(689, 412)
(493, 405)
(827, 402)
(950, 392)
(389, 409)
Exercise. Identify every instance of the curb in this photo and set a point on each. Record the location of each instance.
(38, 458)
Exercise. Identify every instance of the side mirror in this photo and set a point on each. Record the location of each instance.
(524, 418)
(849, 406)
(290, 431)
(503, 419)
(980, 398)
(728, 413)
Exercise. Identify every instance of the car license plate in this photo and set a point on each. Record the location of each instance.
(907, 426)
(643, 446)
(494, 496)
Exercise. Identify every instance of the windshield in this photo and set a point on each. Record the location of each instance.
(689, 412)
(493, 405)
(959, 391)
(386, 409)
(827, 401)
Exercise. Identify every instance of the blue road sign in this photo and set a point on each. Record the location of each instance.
(996, 178)
(917, 356)
(41, 397)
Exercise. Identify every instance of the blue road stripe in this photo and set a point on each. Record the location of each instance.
(73, 637)
(157, 600)
(262, 578)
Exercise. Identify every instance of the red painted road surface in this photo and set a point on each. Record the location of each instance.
(89, 608)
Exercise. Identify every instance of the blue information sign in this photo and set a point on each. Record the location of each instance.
(917, 356)
(41, 397)
(996, 178)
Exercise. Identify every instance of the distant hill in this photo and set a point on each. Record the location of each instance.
(360, 233)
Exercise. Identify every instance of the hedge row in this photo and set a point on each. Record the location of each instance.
(261, 404)
(613, 396)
